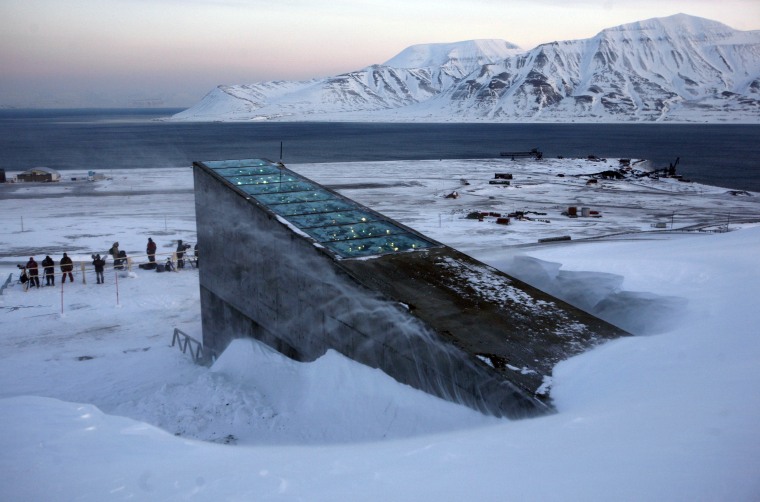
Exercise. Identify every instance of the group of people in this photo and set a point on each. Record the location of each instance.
(182, 248)
(120, 257)
(31, 271)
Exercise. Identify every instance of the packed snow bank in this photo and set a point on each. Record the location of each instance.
(601, 293)
(315, 402)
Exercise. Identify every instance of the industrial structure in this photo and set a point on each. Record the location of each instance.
(305, 270)
(38, 174)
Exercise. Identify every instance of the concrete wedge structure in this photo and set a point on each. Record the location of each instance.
(306, 270)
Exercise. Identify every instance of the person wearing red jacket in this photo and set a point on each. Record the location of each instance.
(151, 250)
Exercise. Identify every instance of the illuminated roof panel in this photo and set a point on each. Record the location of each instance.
(356, 231)
(221, 164)
(265, 179)
(294, 186)
(306, 221)
(324, 206)
(341, 225)
(247, 171)
(313, 195)
(379, 245)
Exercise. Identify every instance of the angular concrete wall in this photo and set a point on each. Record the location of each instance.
(264, 278)
(261, 279)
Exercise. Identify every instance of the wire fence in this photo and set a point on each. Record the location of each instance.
(162, 262)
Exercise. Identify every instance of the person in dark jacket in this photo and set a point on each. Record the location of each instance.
(66, 267)
(49, 268)
(24, 278)
(100, 265)
(181, 248)
(150, 250)
(33, 272)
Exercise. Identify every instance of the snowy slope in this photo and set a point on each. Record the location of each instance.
(462, 57)
(416, 74)
(678, 68)
(96, 405)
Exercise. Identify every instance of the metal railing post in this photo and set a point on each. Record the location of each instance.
(184, 341)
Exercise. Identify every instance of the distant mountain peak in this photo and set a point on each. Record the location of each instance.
(678, 25)
(679, 68)
(481, 52)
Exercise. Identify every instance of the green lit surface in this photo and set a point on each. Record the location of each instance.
(307, 221)
(313, 195)
(341, 225)
(288, 210)
(265, 179)
(219, 164)
(379, 245)
(355, 231)
(290, 186)
(248, 171)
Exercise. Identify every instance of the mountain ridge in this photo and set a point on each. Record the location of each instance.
(679, 68)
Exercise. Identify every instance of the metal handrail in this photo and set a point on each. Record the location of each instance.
(185, 341)
(7, 281)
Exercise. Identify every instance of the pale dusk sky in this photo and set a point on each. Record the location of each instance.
(96, 53)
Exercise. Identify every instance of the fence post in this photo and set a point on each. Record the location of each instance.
(84, 275)
(116, 275)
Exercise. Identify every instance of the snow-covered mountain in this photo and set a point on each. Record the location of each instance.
(679, 68)
(415, 75)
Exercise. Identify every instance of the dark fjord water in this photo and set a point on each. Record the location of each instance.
(725, 155)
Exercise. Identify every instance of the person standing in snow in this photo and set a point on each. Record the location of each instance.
(99, 264)
(150, 250)
(116, 255)
(181, 248)
(114, 251)
(49, 268)
(32, 271)
(66, 267)
(24, 278)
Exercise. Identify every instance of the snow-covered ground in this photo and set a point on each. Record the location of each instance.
(97, 405)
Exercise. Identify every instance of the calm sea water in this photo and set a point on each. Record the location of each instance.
(718, 154)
